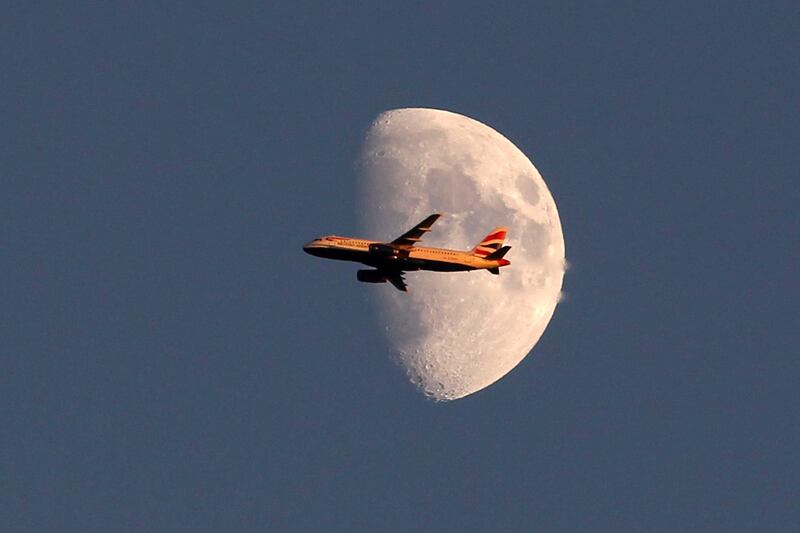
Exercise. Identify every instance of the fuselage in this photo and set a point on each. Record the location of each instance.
(385, 256)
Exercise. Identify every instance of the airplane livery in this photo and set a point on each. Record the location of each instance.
(391, 260)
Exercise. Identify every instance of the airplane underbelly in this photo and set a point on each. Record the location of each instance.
(405, 264)
(443, 266)
(340, 254)
(410, 264)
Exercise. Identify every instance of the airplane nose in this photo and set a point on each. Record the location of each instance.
(312, 247)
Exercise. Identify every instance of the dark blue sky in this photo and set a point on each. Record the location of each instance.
(171, 360)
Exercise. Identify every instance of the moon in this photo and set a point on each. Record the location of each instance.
(457, 333)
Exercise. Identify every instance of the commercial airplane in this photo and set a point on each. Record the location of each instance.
(391, 259)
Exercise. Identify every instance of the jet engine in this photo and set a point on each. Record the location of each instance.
(370, 276)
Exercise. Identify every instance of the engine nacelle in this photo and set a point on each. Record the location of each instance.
(370, 276)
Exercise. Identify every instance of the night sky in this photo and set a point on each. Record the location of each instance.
(173, 361)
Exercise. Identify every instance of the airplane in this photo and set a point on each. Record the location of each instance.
(391, 260)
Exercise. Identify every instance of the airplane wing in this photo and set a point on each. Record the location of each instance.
(412, 236)
(396, 279)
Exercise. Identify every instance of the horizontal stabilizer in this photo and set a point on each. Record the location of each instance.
(498, 254)
(495, 271)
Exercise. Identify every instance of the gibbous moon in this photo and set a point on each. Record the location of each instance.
(457, 333)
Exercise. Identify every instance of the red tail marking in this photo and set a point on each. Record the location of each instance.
(493, 236)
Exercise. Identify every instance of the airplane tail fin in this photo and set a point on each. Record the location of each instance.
(491, 243)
